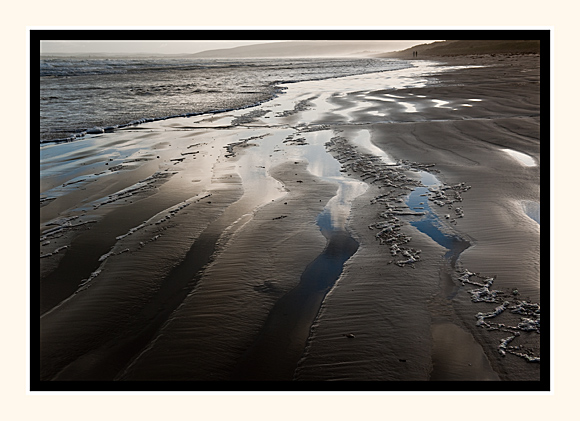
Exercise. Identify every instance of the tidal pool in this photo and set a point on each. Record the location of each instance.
(430, 223)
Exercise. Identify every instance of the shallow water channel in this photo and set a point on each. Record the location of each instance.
(280, 344)
(455, 353)
(430, 223)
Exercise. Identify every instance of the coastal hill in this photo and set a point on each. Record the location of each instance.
(467, 47)
(387, 49)
(287, 49)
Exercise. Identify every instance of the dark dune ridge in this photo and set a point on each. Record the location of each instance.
(452, 48)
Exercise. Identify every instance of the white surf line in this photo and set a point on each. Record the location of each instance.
(378, 98)
(522, 158)
(395, 96)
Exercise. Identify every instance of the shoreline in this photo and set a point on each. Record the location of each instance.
(277, 88)
(267, 195)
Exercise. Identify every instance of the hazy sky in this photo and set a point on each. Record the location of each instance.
(138, 47)
(152, 47)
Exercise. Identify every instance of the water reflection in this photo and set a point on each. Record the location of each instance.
(439, 103)
(363, 140)
(532, 209)
(429, 179)
(324, 166)
(338, 208)
(272, 151)
(430, 224)
(522, 158)
(409, 108)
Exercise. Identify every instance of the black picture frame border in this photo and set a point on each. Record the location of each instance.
(544, 35)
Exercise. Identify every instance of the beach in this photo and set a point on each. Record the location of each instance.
(379, 227)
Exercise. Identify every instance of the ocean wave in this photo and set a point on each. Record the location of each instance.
(114, 93)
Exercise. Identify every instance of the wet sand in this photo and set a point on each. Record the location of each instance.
(464, 143)
(168, 250)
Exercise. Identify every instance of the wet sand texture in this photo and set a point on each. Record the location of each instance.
(227, 310)
(188, 249)
(465, 145)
